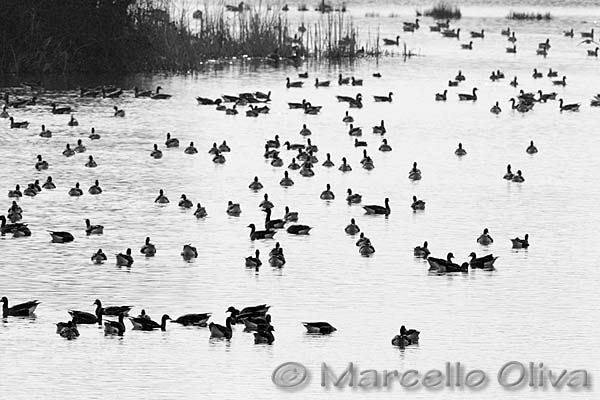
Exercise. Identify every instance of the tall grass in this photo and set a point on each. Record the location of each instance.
(443, 10)
(530, 16)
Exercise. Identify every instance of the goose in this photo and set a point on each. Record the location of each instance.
(593, 53)
(298, 229)
(20, 310)
(193, 319)
(266, 234)
(512, 50)
(49, 185)
(531, 149)
(184, 202)
(171, 142)
(273, 143)
(460, 151)
(4, 113)
(486, 262)
(118, 112)
(95, 188)
(522, 107)
(415, 173)
(191, 149)
(562, 82)
(385, 146)
(380, 129)
(352, 228)
(286, 181)
(440, 265)
(146, 324)
(451, 33)
(367, 163)
(68, 330)
(68, 151)
(353, 198)
(568, 33)
(252, 112)
(366, 249)
(390, 42)
(376, 75)
(509, 175)
(514, 82)
(273, 224)
(485, 238)
(270, 153)
(200, 211)
(355, 103)
(512, 38)
(254, 262)
(348, 99)
(276, 250)
(233, 209)
(528, 97)
(305, 131)
(494, 77)
(99, 257)
(115, 327)
(45, 133)
(383, 99)
(16, 192)
(460, 77)
(323, 328)
(290, 216)
(94, 135)
(61, 237)
(141, 93)
(544, 45)
(161, 198)
(189, 252)
(568, 107)
(467, 96)
(467, 46)
(434, 28)
(224, 148)
(219, 159)
(60, 110)
(290, 84)
(266, 203)
(219, 331)
(87, 318)
(264, 335)
(41, 164)
(345, 167)
(158, 95)
(342, 80)
(328, 163)
(30, 190)
(111, 93)
(347, 118)
(112, 310)
(362, 240)
(36, 186)
(377, 209)
(255, 185)
(148, 249)
(452, 83)
(321, 84)
(80, 148)
(358, 143)
(303, 75)
(595, 102)
(156, 153)
(505, 32)
(357, 82)
(551, 74)
(76, 191)
(406, 337)
(91, 163)
(93, 229)
(441, 96)
(354, 131)
(125, 259)
(295, 146)
(589, 34)
(518, 177)
(417, 204)
(520, 243)
(297, 105)
(294, 165)
(477, 34)
(327, 194)
(421, 251)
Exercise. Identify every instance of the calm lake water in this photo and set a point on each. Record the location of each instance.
(540, 304)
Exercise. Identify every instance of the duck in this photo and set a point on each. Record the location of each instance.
(41, 164)
(171, 142)
(509, 175)
(568, 107)
(161, 198)
(200, 211)
(91, 163)
(485, 239)
(486, 262)
(290, 84)
(321, 83)
(148, 249)
(441, 96)
(233, 209)
(460, 77)
(95, 188)
(353, 198)
(286, 181)
(146, 324)
(421, 251)
(467, 96)
(49, 184)
(73, 121)
(460, 151)
(377, 209)
(417, 204)
(345, 167)
(184, 202)
(385, 147)
(323, 328)
(415, 173)
(518, 177)
(347, 118)
(189, 252)
(219, 331)
(531, 149)
(16, 193)
(125, 259)
(496, 109)
(384, 99)
(156, 153)
(193, 319)
(254, 262)
(99, 257)
(191, 149)
(352, 228)
(76, 191)
(467, 46)
(305, 131)
(562, 82)
(115, 327)
(520, 243)
(94, 135)
(20, 310)
(290, 216)
(298, 229)
(61, 237)
(93, 229)
(266, 234)
(158, 95)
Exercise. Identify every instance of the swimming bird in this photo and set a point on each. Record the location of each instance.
(356, 82)
(568, 107)
(520, 243)
(441, 96)
(451, 33)
(417, 204)
(589, 34)
(94, 189)
(467, 46)
(518, 177)
(354, 130)
(158, 95)
(514, 82)
(161, 198)
(327, 194)
(509, 175)
(276, 260)
(345, 167)
(4, 113)
(45, 133)
(568, 33)
(148, 249)
(415, 173)
(30, 190)
(512, 50)
(189, 252)
(191, 149)
(452, 83)
(94, 135)
(184, 202)
(290, 84)
(272, 143)
(266, 234)
(512, 37)
(41, 164)
(99, 257)
(219, 331)
(125, 259)
(171, 142)
(68, 151)
(531, 149)
(323, 328)
(305, 131)
(286, 181)
(421, 251)
(224, 148)
(15, 125)
(93, 229)
(406, 337)
(266, 203)
(467, 96)
(562, 82)
(383, 99)
(141, 93)
(460, 77)
(91, 163)
(255, 185)
(478, 34)
(460, 151)
(264, 335)
(68, 330)
(377, 209)
(146, 324)
(273, 224)
(385, 146)
(486, 262)
(112, 310)
(298, 229)
(61, 237)
(321, 84)
(219, 158)
(593, 53)
(290, 216)
(440, 265)
(380, 129)
(200, 211)
(485, 238)
(20, 310)
(60, 110)
(16, 192)
(193, 319)
(353, 198)
(233, 209)
(118, 112)
(115, 327)
(254, 262)
(505, 32)
(347, 118)
(156, 153)
(342, 80)
(352, 228)
(390, 42)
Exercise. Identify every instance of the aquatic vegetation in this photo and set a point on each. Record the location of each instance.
(443, 10)
(530, 16)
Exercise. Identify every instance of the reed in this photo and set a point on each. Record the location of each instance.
(529, 16)
(443, 10)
